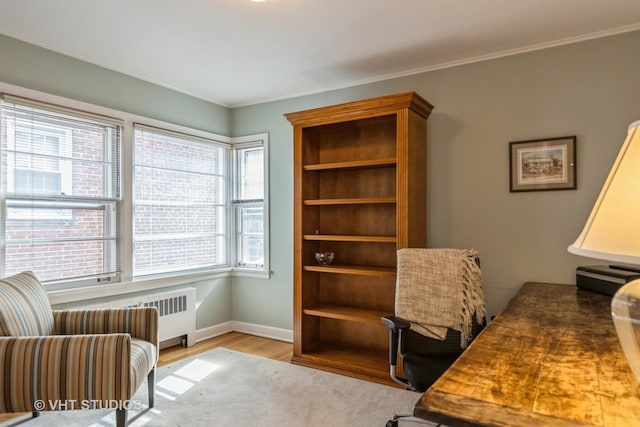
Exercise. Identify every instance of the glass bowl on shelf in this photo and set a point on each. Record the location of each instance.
(324, 258)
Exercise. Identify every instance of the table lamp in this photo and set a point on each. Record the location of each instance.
(612, 233)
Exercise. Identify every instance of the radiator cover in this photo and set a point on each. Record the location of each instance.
(176, 309)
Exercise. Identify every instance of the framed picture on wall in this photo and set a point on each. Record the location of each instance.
(543, 164)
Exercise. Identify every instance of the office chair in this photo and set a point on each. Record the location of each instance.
(439, 311)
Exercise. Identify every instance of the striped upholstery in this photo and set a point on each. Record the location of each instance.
(24, 307)
(81, 356)
(63, 369)
(140, 323)
(143, 358)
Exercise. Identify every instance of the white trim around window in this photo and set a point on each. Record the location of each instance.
(247, 199)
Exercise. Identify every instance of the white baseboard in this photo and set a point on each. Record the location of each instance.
(213, 331)
(246, 328)
(264, 331)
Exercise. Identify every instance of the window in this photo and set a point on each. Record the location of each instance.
(249, 203)
(180, 203)
(60, 189)
(193, 202)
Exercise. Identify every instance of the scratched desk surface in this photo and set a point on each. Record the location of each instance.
(550, 358)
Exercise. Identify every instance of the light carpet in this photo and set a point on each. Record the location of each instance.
(223, 388)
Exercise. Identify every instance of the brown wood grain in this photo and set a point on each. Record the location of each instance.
(551, 358)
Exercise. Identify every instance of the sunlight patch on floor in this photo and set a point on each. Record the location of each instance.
(185, 378)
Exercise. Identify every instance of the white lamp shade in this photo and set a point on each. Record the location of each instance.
(612, 231)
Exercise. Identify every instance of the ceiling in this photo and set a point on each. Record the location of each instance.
(238, 52)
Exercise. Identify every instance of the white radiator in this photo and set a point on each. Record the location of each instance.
(177, 310)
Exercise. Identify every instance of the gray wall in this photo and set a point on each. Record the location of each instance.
(32, 67)
(28, 66)
(588, 89)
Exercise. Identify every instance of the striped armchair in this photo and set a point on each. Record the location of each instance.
(71, 359)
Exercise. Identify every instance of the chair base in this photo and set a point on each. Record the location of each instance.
(121, 417)
(408, 417)
(151, 385)
(121, 413)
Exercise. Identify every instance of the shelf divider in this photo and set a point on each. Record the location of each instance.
(351, 314)
(350, 201)
(355, 164)
(350, 238)
(360, 270)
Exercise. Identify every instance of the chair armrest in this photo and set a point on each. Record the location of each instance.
(139, 322)
(63, 372)
(395, 322)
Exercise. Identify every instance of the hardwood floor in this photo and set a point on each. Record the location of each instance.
(237, 341)
(251, 344)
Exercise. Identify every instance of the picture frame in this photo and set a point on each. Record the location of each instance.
(543, 164)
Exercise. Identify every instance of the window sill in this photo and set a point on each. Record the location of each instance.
(261, 274)
(72, 295)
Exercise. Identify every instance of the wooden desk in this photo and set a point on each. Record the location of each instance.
(551, 358)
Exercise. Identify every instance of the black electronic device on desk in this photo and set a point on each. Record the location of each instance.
(605, 279)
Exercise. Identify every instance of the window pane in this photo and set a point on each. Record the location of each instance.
(250, 164)
(53, 154)
(60, 241)
(251, 236)
(37, 182)
(179, 203)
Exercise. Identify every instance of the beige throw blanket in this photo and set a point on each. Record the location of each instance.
(438, 289)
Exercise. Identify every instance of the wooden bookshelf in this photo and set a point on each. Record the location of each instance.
(360, 192)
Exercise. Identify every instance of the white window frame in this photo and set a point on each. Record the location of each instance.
(52, 207)
(240, 143)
